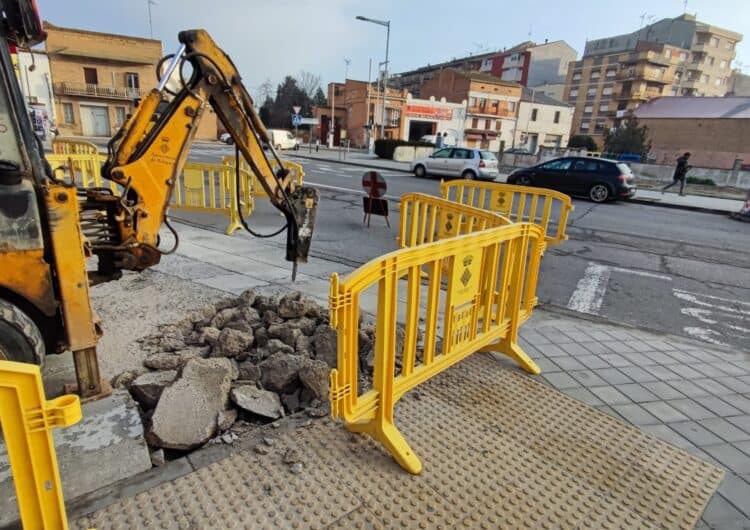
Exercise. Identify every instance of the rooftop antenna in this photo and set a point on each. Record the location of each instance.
(150, 3)
(684, 6)
(347, 61)
(529, 31)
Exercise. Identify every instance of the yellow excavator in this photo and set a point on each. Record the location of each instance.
(49, 228)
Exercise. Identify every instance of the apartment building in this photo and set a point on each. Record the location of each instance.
(98, 77)
(492, 105)
(528, 64)
(542, 122)
(678, 56)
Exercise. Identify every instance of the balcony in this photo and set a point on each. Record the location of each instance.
(97, 91)
(489, 111)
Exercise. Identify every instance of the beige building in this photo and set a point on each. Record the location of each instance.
(96, 78)
(679, 56)
(492, 106)
(715, 130)
(542, 122)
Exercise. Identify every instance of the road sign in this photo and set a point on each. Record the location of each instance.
(309, 121)
(374, 184)
(296, 109)
(296, 118)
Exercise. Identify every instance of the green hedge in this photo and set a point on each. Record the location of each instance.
(696, 180)
(385, 148)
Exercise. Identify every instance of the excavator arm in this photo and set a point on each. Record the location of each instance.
(147, 155)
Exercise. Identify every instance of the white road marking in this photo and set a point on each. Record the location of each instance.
(645, 274)
(704, 334)
(717, 312)
(349, 190)
(712, 297)
(590, 291)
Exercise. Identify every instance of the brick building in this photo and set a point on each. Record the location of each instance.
(97, 76)
(677, 56)
(492, 106)
(716, 131)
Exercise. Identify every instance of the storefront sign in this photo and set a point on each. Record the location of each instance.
(429, 112)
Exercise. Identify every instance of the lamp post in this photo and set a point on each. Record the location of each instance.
(387, 24)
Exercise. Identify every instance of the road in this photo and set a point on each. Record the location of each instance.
(670, 270)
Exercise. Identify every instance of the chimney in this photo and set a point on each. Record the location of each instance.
(546, 41)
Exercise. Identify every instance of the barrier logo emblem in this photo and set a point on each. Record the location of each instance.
(466, 276)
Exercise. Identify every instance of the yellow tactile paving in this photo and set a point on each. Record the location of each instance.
(499, 451)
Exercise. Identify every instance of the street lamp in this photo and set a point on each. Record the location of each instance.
(387, 24)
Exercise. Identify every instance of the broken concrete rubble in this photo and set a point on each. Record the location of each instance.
(277, 349)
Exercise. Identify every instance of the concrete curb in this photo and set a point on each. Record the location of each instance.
(361, 164)
(703, 209)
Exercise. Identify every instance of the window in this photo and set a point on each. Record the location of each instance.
(588, 109)
(557, 116)
(90, 77)
(586, 165)
(611, 72)
(120, 115)
(717, 82)
(131, 80)
(577, 76)
(557, 165)
(595, 75)
(604, 107)
(475, 123)
(714, 42)
(472, 101)
(683, 56)
(729, 45)
(442, 153)
(667, 53)
(574, 93)
(591, 92)
(511, 106)
(487, 124)
(704, 78)
(533, 114)
(68, 112)
(709, 60)
(463, 154)
(585, 126)
(723, 64)
(498, 125)
(607, 91)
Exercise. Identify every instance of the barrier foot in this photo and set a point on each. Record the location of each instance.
(232, 227)
(515, 352)
(387, 434)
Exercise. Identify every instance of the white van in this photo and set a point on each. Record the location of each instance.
(448, 141)
(282, 139)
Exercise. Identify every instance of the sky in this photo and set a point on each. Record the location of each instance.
(268, 39)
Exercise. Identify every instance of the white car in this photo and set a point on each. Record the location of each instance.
(463, 162)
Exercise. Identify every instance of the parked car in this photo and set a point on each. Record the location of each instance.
(461, 162)
(600, 179)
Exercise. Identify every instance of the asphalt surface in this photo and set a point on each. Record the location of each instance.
(664, 269)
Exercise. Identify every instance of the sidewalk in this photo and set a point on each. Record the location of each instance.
(499, 449)
(702, 203)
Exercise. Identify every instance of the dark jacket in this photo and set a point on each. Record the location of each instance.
(682, 168)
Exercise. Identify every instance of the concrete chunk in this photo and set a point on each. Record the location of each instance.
(147, 388)
(257, 401)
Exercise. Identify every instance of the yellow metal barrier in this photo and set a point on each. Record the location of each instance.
(83, 169)
(425, 218)
(210, 188)
(27, 419)
(73, 147)
(519, 203)
(256, 190)
(491, 284)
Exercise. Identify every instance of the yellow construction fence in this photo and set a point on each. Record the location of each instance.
(490, 269)
(547, 208)
(256, 190)
(27, 420)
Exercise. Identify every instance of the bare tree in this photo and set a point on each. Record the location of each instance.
(265, 91)
(308, 82)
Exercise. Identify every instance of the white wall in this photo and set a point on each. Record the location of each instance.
(453, 126)
(544, 125)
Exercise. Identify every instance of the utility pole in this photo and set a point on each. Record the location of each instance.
(367, 112)
(332, 130)
(150, 3)
(387, 24)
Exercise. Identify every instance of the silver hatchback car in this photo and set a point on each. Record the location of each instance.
(461, 162)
